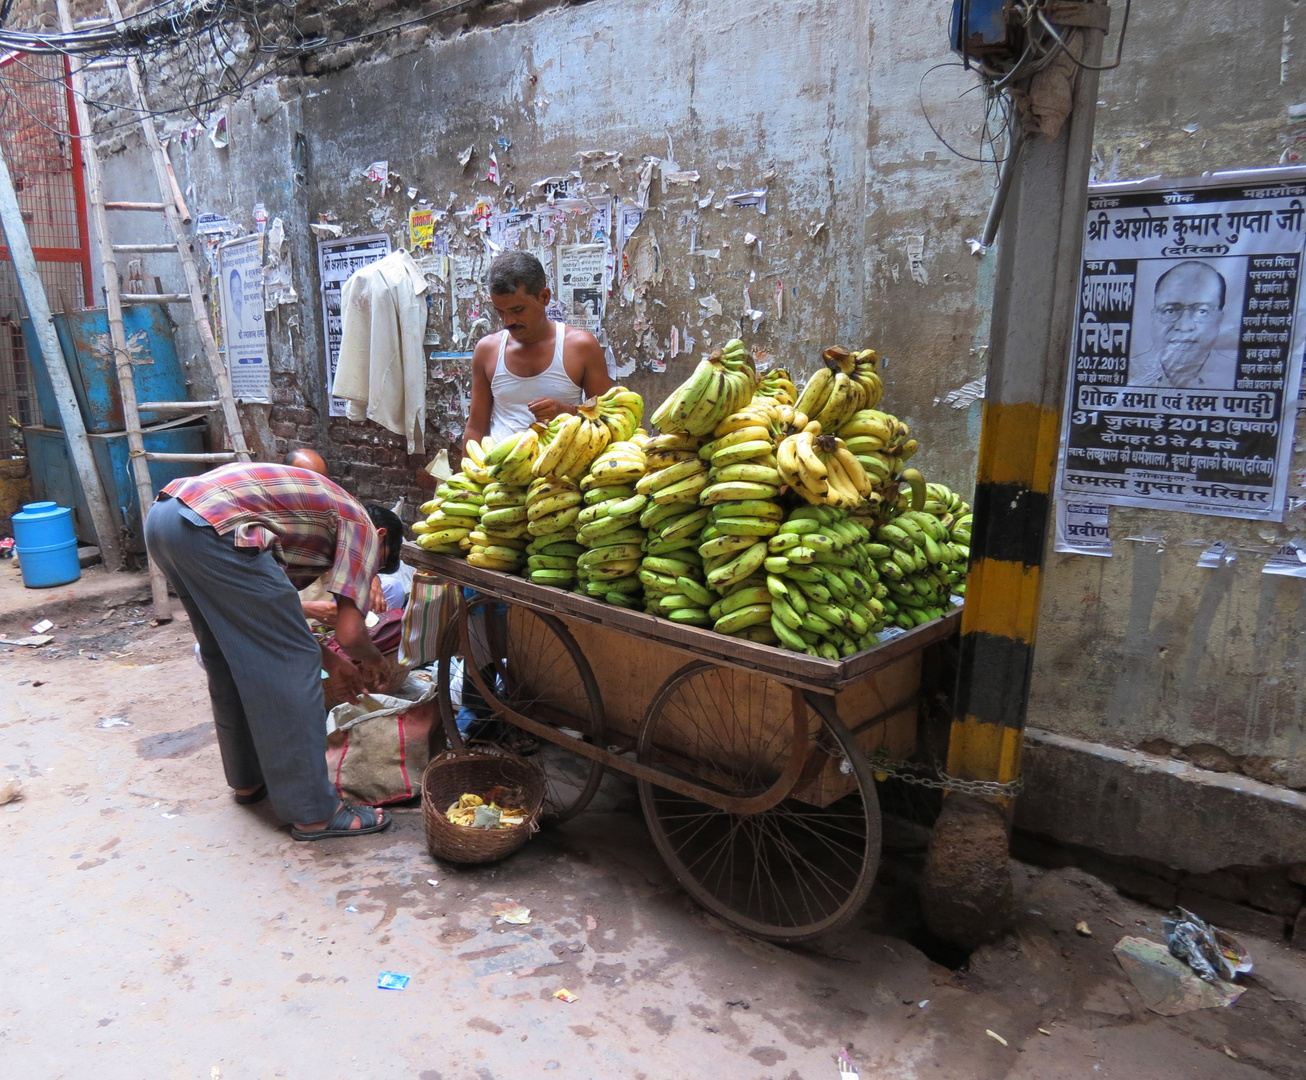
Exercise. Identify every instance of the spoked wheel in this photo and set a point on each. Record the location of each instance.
(789, 873)
(535, 668)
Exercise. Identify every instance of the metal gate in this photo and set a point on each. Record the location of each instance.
(38, 133)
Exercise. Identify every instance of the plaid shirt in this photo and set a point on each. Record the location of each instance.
(311, 526)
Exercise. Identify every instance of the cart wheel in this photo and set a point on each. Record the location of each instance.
(789, 873)
(543, 675)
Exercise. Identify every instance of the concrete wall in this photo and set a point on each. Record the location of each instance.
(1146, 651)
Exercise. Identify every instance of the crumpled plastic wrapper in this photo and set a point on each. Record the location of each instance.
(1208, 950)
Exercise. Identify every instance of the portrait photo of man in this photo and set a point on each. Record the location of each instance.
(1187, 317)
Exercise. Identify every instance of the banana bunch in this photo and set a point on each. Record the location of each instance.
(720, 385)
(473, 464)
(571, 443)
(450, 516)
(621, 410)
(500, 540)
(954, 514)
(671, 571)
(822, 469)
(511, 461)
(917, 563)
(842, 386)
(826, 596)
(778, 385)
(881, 445)
(552, 507)
(608, 526)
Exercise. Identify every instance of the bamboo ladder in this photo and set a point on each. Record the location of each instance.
(173, 207)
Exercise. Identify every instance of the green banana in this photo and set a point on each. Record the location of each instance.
(744, 526)
(741, 618)
(788, 638)
(692, 589)
(738, 568)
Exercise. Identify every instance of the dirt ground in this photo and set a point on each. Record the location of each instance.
(154, 929)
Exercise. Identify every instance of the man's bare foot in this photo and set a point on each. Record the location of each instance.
(245, 791)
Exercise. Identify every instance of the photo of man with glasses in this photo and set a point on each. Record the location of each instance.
(1187, 311)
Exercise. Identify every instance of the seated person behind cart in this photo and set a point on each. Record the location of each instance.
(533, 369)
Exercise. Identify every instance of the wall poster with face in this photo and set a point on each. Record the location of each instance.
(1186, 357)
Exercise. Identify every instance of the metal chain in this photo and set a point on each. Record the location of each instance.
(910, 773)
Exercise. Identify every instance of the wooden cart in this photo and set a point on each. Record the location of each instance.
(753, 763)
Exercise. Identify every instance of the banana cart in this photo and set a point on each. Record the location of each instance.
(754, 764)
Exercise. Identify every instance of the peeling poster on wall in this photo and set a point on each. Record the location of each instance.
(244, 332)
(1083, 529)
(336, 261)
(582, 289)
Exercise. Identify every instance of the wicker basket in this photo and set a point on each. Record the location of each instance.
(476, 770)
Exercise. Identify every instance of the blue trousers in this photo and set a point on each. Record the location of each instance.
(263, 664)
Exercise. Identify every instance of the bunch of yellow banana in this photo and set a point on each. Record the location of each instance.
(826, 596)
(571, 443)
(511, 461)
(450, 516)
(608, 527)
(822, 469)
(500, 540)
(866, 370)
(833, 394)
(881, 444)
(673, 519)
(778, 385)
(720, 385)
(621, 410)
(552, 507)
(919, 565)
(473, 463)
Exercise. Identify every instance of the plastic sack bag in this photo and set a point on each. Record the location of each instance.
(378, 746)
(432, 606)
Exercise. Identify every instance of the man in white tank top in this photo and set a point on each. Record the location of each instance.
(533, 369)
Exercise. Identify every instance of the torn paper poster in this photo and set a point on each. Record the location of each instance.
(336, 260)
(1083, 529)
(814, 229)
(378, 173)
(750, 239)
(1288, 561)
(421, 227)
(260, 218)
(711, 307)
(601, 159)
(646, 171)
(779, 299)
(466, 156)
(643, 260)
(1217, 555)
(965, 394)
(757, 315)
(278, 288)
(674, 344)
(706, 200)
(324, 229)
(412, 192)
(749, 198)
(244, 332)
(492, 172)
(916, 260)
(467, 274)
(219, 135)
(582, 289)
(553, 188)
(682, 178)
(600, 219)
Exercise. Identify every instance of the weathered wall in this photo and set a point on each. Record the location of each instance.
(1145, 650)
(815, 100)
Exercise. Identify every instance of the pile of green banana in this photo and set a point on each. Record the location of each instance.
(845, 383)
(552, 507)
(671, 572)
(826, 598)
(918, 564)
(499, 543)
(721, 384)
(608, 527)
(954, 512)
(451, 516)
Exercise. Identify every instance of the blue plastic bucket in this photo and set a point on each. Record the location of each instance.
(46, 545)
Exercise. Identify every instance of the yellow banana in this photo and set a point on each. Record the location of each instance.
(816, 392)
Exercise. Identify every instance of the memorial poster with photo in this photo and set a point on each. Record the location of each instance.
(244, 333)
(1185, 358)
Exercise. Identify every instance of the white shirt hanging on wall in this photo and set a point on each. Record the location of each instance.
(381, 373)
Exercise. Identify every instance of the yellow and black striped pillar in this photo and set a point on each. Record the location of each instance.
(1013, 503)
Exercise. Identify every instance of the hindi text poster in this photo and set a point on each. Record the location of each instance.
(244, 333)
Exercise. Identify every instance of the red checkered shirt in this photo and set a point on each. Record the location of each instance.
(311, 526)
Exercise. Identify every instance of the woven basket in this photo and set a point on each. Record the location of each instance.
(477, 770)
